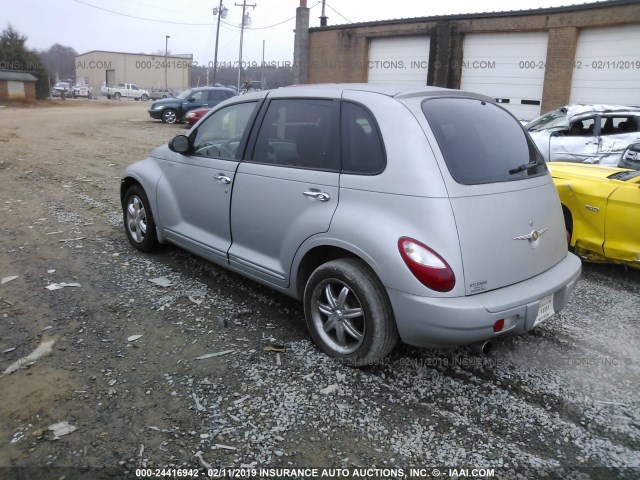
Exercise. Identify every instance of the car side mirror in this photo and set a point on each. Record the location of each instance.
(179, 144)
(191, 99)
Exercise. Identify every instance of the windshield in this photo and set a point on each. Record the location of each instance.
(550, 121)
(481, 142)
(184, 94)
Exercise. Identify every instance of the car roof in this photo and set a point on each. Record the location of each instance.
(579, 109)
(199, 89)
(392, 90)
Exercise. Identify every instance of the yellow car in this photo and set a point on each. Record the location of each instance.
(601, 208)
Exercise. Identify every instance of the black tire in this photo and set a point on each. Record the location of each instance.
(169, 116)
(348, 313)
(116, 96)
(138, 220)
(568, 223)
(144, 97)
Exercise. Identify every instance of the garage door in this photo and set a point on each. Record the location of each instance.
(508, 67)
(607, 66)
(403, 60)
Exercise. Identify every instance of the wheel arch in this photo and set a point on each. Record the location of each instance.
(145, 181)
(320, 254)
(568, 222)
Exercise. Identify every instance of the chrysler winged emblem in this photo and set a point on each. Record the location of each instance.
(533, 236)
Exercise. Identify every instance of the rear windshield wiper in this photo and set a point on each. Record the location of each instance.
(522, 168)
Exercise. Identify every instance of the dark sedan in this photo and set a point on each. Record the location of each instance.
(172, 110)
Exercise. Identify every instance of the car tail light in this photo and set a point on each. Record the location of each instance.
(426, 265)
(498, 326)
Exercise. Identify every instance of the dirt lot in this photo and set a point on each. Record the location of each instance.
(124, 367)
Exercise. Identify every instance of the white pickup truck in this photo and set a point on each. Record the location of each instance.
(128, 90)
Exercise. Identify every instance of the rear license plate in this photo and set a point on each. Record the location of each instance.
(545, 309)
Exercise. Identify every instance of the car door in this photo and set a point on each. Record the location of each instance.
(194, 193)
(622, 234)
(287, 189)
(617, 132)
(578, 143)
(195, 100)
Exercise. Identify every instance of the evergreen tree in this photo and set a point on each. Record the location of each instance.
(16, 56)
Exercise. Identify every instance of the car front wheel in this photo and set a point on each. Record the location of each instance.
(138, 220)
(116, 96)
(348, 313)
(169, 116)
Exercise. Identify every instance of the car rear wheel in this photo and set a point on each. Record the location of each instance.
(145, 97)
(169, 116)
(116, 96)
(348, 313)
(138, 220)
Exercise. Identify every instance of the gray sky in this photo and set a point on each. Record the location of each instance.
(87, 25)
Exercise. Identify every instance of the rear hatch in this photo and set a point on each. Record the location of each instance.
(506, 208)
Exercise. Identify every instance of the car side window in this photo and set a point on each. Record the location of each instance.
(216, 95)
(219, 135)
(618, 125)
(298, 133)
(199, 96)
(581, 128)
(361, 147)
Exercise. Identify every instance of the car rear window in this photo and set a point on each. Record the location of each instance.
(481, 142)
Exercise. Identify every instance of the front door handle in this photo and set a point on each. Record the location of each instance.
(223, 179)
(321, 196)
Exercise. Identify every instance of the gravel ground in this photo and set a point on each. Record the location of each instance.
(214, 371)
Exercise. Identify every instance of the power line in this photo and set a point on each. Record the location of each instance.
(338, 12)
(182, 23)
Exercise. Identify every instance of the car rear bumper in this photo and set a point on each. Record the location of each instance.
(448, 322)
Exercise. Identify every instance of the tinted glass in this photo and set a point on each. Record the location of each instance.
(617, 124)
(298, 133)
(481, 142)
(361, 146)
(220, 134)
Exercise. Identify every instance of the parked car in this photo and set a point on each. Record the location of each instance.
(194, 115)
(631, 157)
(601, 207)
(390, 211)
(125, 90)
(81, 90)
(59, 88)
(158, 93)
(172, 110)
(586, 133)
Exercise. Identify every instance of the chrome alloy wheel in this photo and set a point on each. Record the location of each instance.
(136, 219)
(338, 316)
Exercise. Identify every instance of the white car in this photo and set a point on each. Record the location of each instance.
(586, 133)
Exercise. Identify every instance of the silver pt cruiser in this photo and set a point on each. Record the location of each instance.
(423, 214)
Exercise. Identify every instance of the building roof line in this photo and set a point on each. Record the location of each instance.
(471, 16)
(181, 56)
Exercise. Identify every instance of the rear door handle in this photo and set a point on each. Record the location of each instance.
(321, 196)
(223, 179)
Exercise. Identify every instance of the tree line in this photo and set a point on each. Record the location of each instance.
(58, 63)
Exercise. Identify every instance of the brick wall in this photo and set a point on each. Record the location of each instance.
(340, 53)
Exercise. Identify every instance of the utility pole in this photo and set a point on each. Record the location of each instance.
(166, 52)
(222, 13)
(244, 7)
